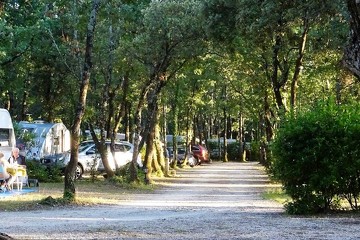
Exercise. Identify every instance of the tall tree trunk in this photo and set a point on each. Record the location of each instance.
(269, 131)
(121, 108)
(225, 157)
(152, 119)
(298, 64)
(149, 155)
(175, 120)
(24, 105)
(160, 160)
(242, 152)
(164, 150)
(274, 77)
(351, 59)
(69, 182)
(137, 132)
(268, 117)
(106, 106)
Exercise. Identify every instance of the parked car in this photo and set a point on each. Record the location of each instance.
(192, 161)
(89, 158)
(180, 154)
(200, 153)
(196, 156)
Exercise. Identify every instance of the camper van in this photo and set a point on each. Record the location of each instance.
(7, 134)
(49, 139)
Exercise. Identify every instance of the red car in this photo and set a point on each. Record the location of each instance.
(200, 153)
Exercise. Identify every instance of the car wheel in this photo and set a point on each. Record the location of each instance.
(78, 172)
(196, 161)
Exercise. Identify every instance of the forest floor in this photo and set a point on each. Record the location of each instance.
(211, 201)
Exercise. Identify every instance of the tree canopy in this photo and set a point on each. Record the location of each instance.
(216, 68)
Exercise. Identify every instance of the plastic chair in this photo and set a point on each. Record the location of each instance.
(18, 182)
(20, 175)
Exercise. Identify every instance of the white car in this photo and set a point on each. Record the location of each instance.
(89, 158)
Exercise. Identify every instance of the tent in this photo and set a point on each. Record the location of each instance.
(49, 139)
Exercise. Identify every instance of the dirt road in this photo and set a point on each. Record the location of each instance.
(214, 201)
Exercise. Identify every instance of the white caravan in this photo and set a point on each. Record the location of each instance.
(7, 134)
(50, 139)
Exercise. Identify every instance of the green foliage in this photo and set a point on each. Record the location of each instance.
(221, 19)
(43, 173)
(50, 201)
(317, 159)
(122, 178)
(232, 149)
(254, 151)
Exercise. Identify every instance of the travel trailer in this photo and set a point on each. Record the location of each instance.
(49, 139)
(7, 134)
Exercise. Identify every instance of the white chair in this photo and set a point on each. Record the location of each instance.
(18, 182)
(20, 176)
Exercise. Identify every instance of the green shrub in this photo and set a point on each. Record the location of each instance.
(254, 151)
(213, 146)
(316, 157)
(42, 172)
(36, 170)
(233, 150)
(122, 176)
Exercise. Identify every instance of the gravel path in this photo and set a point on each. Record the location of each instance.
(214, 201)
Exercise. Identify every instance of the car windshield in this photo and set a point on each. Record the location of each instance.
(84, 145)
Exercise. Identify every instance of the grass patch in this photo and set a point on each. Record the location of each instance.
(50, 195)
(276, 194)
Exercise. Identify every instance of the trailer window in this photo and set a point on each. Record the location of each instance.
(4, 137)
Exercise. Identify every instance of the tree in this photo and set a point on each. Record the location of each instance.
(351, 58)
(169, 37)
(20, 26)
(69, 187)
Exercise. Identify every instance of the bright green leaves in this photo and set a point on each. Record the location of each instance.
(316, 157)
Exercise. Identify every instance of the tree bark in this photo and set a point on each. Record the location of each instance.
(151, 123)
(150, 146)
(137, 131)
(242, 152)
(167, 158)
(69, 182)
(274, 78)
(351, 59)
(106, 106)
(158, 146)
(268, 116)
(298, 64)
(225, 157)
(175, 120)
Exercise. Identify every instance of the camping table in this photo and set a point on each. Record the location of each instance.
(19, 172)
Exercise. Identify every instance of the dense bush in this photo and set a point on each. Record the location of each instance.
(316, 157)
(232, 150)
(254, 151)
(43, 173)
